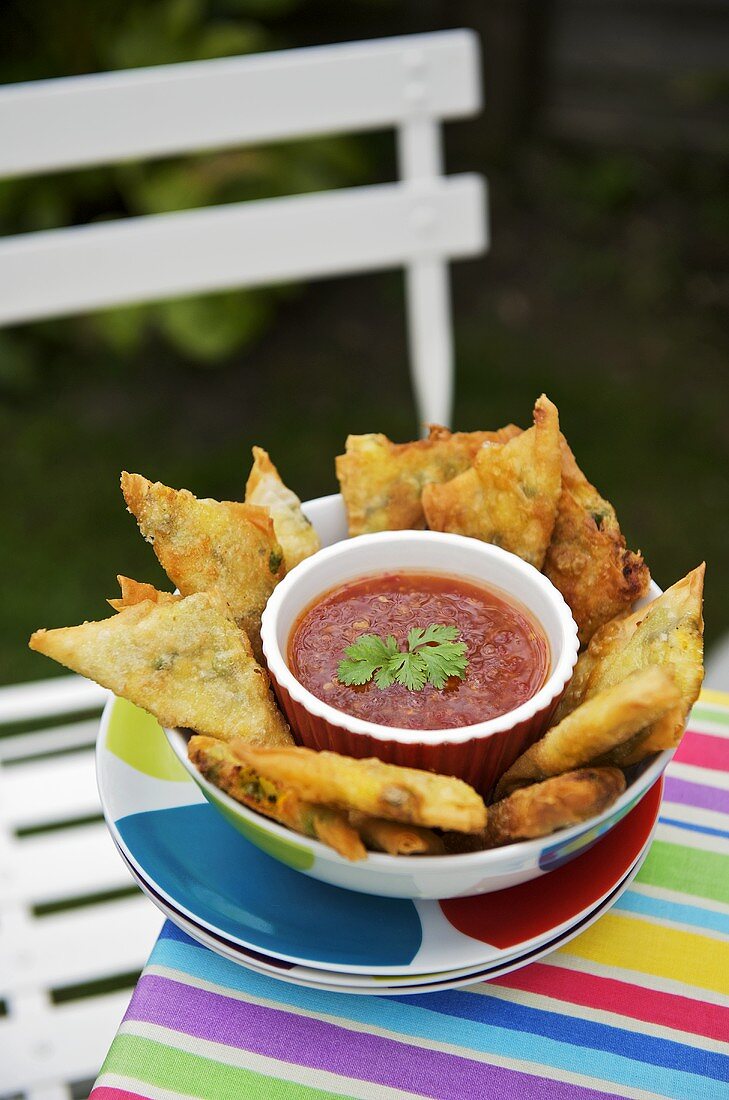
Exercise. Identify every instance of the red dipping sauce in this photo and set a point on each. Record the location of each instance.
(507, 651)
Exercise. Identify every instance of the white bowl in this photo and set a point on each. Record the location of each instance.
(423, 876)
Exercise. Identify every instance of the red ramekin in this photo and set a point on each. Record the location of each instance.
(479, 753)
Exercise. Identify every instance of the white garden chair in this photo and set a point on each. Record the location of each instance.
(54, 848)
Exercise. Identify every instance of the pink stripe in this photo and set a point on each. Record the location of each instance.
(704, 750)
(623, 998)
(105, 1092)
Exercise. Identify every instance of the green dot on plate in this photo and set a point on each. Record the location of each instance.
(138, 739)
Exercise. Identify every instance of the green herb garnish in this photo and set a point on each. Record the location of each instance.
(432, 657)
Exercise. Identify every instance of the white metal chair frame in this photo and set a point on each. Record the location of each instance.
(419, 222)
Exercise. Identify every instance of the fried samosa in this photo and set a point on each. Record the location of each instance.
(396, 838)
(509, 496)
(608, 719)
(219, 764)
(184, 661)
(667, 632)
(587, 558)
(382, 482)
(382, 790)
(293, 530)
(210, 544)
(133, 592)
(556, 803)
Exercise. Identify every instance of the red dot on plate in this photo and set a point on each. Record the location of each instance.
(508, 917)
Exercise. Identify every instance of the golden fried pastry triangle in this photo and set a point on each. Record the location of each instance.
(556, 803)
(382, 482)
(133, 592)
(293, 530)
(597, 726)
(383, 790)
(509, 496)
(210, 544)
(219, 764)
(667, 632)
(587, 559)
(185, 661)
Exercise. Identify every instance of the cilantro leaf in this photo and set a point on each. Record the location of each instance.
(443, 661)
(433, 656)
(365, 657)
(435, 633)
(413, 671)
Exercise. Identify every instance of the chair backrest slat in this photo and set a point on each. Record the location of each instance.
(60, 1043)
(55, 739)
(46, 791)
(74, 946)
(49, 699)
(67, 917)
(55, 124)
(241, 244)
(64, 864)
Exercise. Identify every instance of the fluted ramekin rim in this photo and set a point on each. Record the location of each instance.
(541, 701)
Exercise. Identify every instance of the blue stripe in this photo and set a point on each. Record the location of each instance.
(408, 1019)
(580, 1032)
(692, 827)
(633, 902)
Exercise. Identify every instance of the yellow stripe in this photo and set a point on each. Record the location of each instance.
(624, 941)
(720, 697)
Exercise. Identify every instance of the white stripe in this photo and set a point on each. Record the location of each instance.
(601, 1016)
(267, 1067)
(534, 1069)
(566, 961)
(707, 777)
(663, 894)
(699, 724)
(674, 834)
(709, 819)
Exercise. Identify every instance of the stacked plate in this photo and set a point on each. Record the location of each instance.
(264, 914)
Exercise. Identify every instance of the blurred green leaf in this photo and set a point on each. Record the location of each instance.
(211, 328)
(123, 330)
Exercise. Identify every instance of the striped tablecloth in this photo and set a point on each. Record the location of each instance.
(636, 1006)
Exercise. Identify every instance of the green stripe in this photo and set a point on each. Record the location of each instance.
(167, 1067)
(709, 714)
(687, 870)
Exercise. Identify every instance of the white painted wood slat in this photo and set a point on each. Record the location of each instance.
(49, 698)
(43, 791)
(63, 1043)
(240, 244)
(73, 735)
(53, 124)
(80, 945)
(69, 863)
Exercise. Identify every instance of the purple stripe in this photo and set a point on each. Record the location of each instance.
(696, 794)
(305, 1041)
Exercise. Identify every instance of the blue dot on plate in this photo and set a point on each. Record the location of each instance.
(194, 857)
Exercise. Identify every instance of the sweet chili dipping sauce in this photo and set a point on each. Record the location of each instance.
(507, 652)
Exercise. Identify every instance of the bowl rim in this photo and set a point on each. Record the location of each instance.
(553, 686)
(388, 863)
